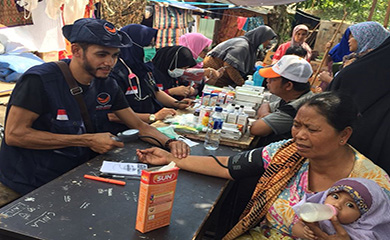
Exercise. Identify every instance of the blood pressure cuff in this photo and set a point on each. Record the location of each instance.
(246, 164)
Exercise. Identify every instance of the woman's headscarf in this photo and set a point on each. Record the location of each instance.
(373, 224)
(369, 35)
(341, 49)
(134, 55)
(196, 42)
(303, 43)
(169, 58)
(240, 52)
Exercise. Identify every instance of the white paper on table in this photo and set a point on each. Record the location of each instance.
(189, 142)
(119, 168)
(168, 166)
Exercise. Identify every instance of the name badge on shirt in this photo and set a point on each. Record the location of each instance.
(132, 90)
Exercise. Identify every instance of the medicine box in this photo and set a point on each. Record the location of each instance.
(156, 194)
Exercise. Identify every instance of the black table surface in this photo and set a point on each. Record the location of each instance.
(71, 207)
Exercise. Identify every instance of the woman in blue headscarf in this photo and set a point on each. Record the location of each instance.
(341, 49)
(136, 78)
(363, 38)
(366, 80)
(336, 55)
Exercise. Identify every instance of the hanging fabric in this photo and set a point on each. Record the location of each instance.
(10, 16)
(124, 12)
(241, 22)
(73, 10)
(28, 6)
(53, 8)
(252, 23)
(171, 24)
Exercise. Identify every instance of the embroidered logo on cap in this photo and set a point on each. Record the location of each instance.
(110, 28)
(103, 98)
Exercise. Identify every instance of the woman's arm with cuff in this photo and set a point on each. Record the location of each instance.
(199, 164)
(239, 166)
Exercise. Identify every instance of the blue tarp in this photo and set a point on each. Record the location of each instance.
(180, 5)
(13, 65)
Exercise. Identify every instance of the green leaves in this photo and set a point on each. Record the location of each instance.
(358, 10)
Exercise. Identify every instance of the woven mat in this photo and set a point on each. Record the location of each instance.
(10, 16)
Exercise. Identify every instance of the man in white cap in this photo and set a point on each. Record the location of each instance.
(287, 79)
(46, 133)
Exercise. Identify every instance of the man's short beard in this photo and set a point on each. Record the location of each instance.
(90, 69)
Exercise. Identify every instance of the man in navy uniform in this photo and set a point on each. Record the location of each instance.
(45, 135)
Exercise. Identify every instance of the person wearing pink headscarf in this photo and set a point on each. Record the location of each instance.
(299, 35)
(198, 45)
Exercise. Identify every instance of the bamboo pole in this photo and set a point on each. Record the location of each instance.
(313, 30)
(374, 2)
(314, 81)
(387, 15)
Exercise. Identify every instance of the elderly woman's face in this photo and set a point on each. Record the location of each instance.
(313, 135)
(352, 42)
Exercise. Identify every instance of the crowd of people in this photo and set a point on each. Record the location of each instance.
(328, 147)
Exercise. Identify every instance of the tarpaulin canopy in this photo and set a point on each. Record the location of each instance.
(181, 5)
(253, 3)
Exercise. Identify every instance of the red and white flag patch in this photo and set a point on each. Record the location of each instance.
(132, 90)
(160, 86)
(61, 115)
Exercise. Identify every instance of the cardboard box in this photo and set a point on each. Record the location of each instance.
(48, 56)
(156, 194)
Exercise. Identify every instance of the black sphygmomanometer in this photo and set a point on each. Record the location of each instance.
(132, 135)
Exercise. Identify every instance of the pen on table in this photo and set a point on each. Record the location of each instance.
(127, 177)
(105, 180)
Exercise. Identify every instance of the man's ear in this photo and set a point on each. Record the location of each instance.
(77, 51)
(289, 86)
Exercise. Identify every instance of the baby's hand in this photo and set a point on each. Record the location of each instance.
(308, 233)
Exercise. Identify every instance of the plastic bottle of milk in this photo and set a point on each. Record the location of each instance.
(314, 212)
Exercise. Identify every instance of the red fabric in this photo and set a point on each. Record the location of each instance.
(281, 51)
(241, 22)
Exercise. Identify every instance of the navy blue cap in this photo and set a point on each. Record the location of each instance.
(96, 31)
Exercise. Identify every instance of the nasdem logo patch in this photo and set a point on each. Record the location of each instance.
(110, 28)
(103, 98)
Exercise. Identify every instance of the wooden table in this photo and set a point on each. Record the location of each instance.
(243, 143)
(71, 207)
